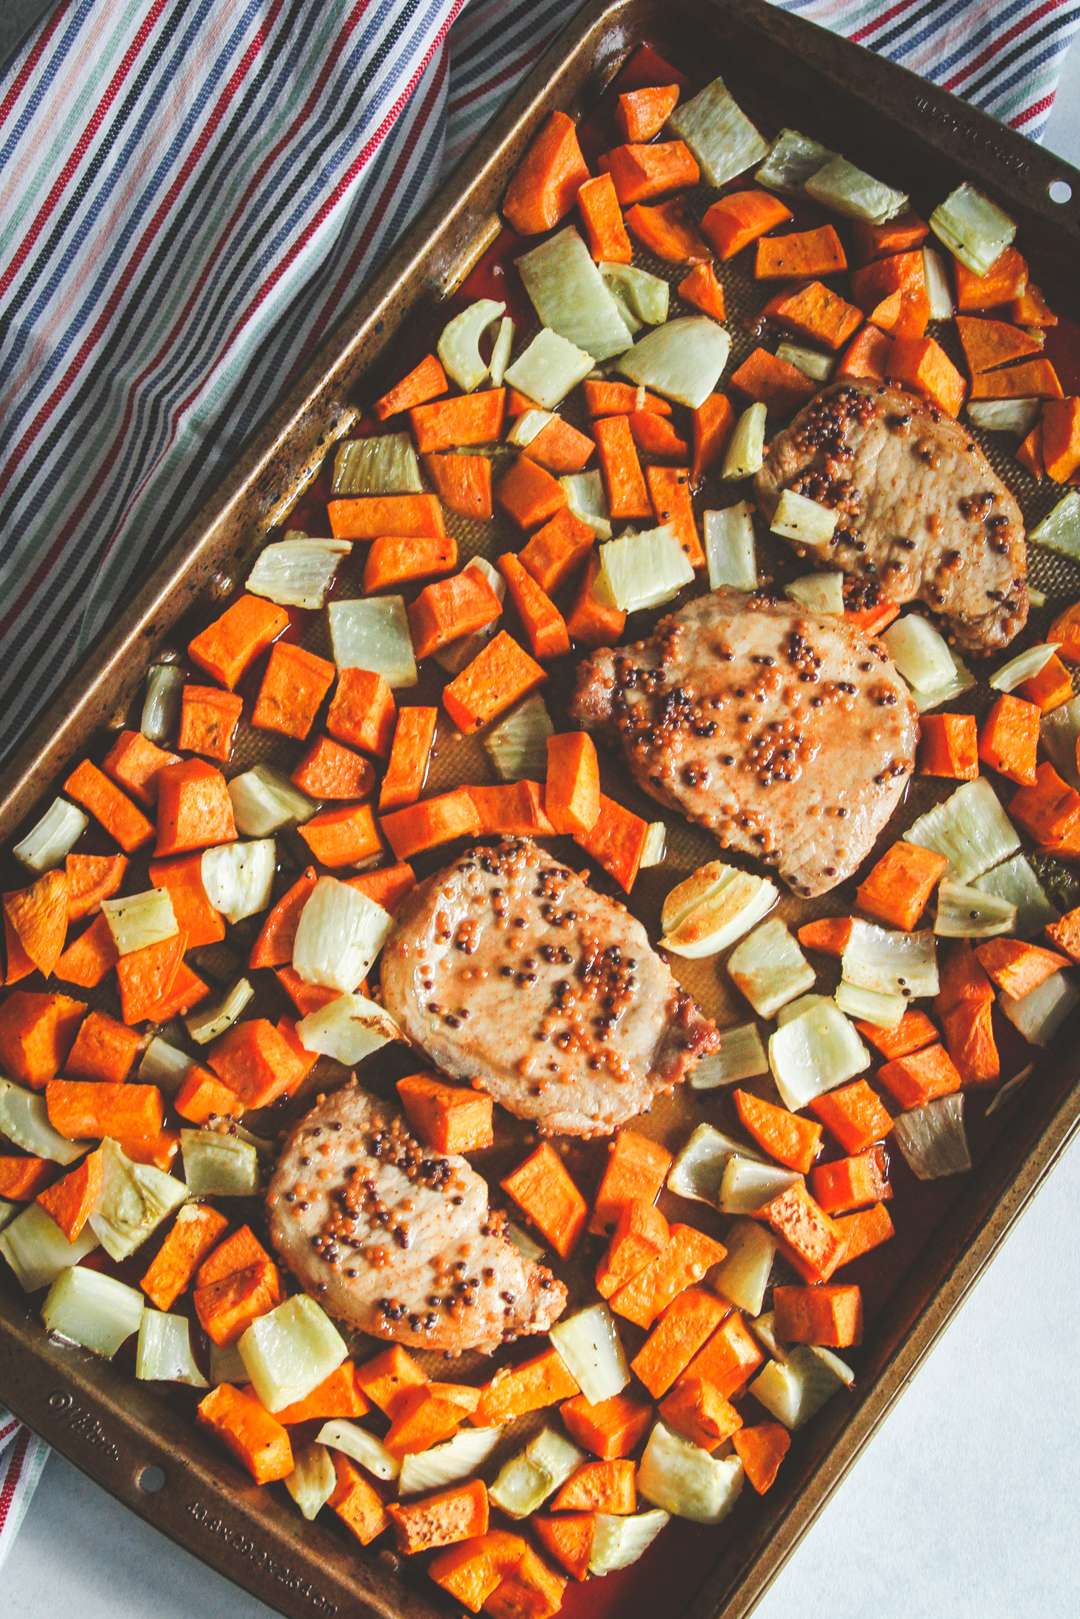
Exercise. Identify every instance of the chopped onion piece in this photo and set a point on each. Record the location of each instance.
(742, 1276)
(133, 1201)
(524, 1244)
(962, 681)
(644, 296)
(712, 908)
(681, 1478)
(920, 652)
(549, 368)
(811, 362)
(741, 1055)
(805, 521)
(974, 229)
(290, 1350)
(1059, 734)
(1039, 1015)
(644, 569)
(938, 289)
(239, 877)
(225, 1364)
(764, 1328)
(164, 1065)
(891, 962)
(745, 453)
(964, 912)
(747, 1184)
(312, 1481)
(969, 828)
(349, 1029)
(374, 634)
(852, 192)
(459, 343)
(94, 1311)
(298, 572)
(698, 1170)
(137, 920)
(1059, 530)
(1010, 1088)
(527, 1479)
(1023, 667)
(770, 968)
(386, 464)
(589, 1346)
(870, 1005)
(52, 837)
(1036, 597)
(840, 1368)
(815, 1052)
(8, 1211)
(207, 1022)
(265, 801)
(1015, 880)
(361, 1445)
(933, 1139)
(528, 426)
(217, 1165)
(795, 1389)
(338, 936)
(1016, 416)
(654, 846)
(719, 133)
(569, 296)
(585, 498)
(618, 1542)
(792, 159)
(682, 360)
(24, 1119)
(500, 351)
(459, 1458)
(161, 705)
(820, 592)
(797, 1007)
(457, 654)
(37, 1250)
(163, 1353)
(729, 547)
(517, 745)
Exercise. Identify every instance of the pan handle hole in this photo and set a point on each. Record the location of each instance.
(150, 1480)
(1060, 191)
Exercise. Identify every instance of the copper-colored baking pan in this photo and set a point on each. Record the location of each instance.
(786, 72)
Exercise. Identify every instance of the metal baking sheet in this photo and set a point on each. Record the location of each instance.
(784, 71)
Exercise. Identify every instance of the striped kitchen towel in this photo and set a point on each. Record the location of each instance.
(191, 193)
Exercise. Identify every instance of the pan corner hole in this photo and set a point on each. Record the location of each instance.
(1060, 191)
(151, 1480)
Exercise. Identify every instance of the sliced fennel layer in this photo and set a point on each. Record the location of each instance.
(568, 293)
(718, 132)
(681, 360)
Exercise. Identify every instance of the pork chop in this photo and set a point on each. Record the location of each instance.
(508, 970)
(399, 1241)
(789, 735)
(923, 515)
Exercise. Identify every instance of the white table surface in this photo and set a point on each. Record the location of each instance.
(962, 1506)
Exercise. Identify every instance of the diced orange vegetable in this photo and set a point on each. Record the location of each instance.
(599, 1487)
(17, 963)
(194, 808)
(1049, 811)
(729, 1357)
(547, 179)
(451, 608)
(810, 1238)
(828, 936)
(543, 624)
(449, 424)
(644, 171)
(103, 1049)
(741, 218)
(877, 280)
(545, 1194)
(641, 114)
(609, 1428)
(572, 787)
(145, 977)
(688, 1255)
(234, 640)
(920, 1077)
(920, 363)
(830, 1316)
(364, 517)
(897, 890)
(92, 878)
(637, 1167)
(816, 312)
(463, 483)
(784, 1136)
(904, 313)
(1061, 438)
(864, 1230)
(449, 1118)
(602, 218)
(849, 1183)
(513, 810)
(949, 746)
(554, 551)
(668, 230)
(987, 343)
(36, 1033)
(254, 1437)
(627, 495)
(1032, 309)
(913, 1031)
(440, 1520)
(256, 1061)
(22, 1177)
(195, 915)
(1016, 966)
(407, 767)
(640, 1234)
(305, 997)
(874, 618)
(362, 711)
(338, 1395)
(898, 235)
(1031, 379)
(867, 355)
(569, 1539)
(329, 770)
(800, 256)
(356, 1500)
(72, 1200)
(1006, 279)
(529, 1590)
(274, 945)
(1029, 452)
(208, 721)
(1009, 739)
(38, 916)
(1051, 687)
(201, 1097)
(293, 686)
(1065, 630)
(616, 841)
(122, 820)
(961, 979)
(90, 1109)
(393, 560)
(559, 447)
(669, 492)
(387, 885)
(968, 1030)
(383, 1378)
(777, 384)
(342, 837)
(697, 1410)
(713, 422)
(431, 823)
(1065, 933)
(531, 1385)
(425, 381)
(500, 674)
(604, 398)
(233, 1287)
(701, 288)
(472, 1571)
(655, 435)
(133, 761)
(592, 621)
(761, 1450)
(89, 958)
(689, 1320)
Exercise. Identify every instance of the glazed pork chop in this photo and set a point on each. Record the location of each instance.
(396, 1240)
(508, 970)
(787, 734)
(923, 515)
